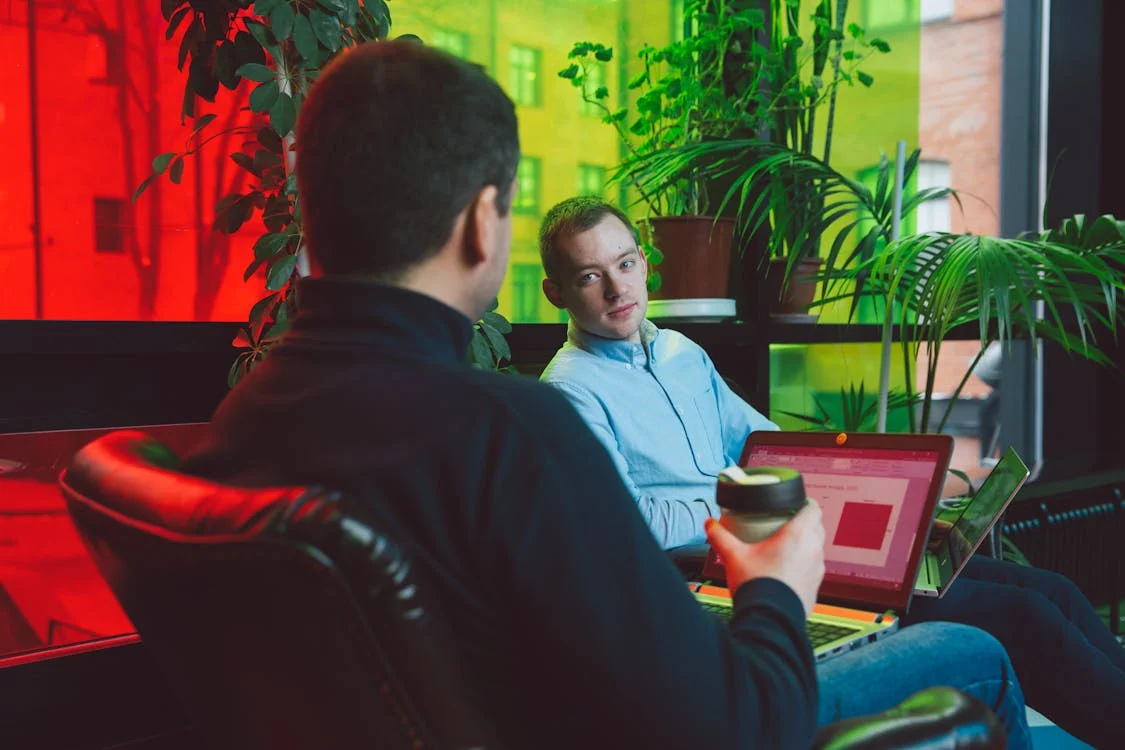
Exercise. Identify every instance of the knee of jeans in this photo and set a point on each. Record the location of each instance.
(1058, 586)
(968, 641)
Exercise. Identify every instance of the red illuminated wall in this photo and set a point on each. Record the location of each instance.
(109, 98)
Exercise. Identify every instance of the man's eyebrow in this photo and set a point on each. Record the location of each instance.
(631, 251)
(618, 259)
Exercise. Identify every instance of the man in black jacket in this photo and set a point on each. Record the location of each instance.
(573, 623)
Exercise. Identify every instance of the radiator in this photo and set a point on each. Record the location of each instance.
(1081, 538)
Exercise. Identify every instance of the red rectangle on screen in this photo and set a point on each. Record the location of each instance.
(862, 525)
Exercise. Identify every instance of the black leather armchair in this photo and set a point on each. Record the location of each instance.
(286, 619)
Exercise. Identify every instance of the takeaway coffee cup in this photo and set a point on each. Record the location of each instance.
(757, 501)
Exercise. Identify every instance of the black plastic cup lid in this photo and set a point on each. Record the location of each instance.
(760, 489)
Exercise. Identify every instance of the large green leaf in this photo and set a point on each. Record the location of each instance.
(269, 245)
(326, 27)
(497, 321)
(161, 162)
(283, 114)
(304, 38)
(255, 72)
(496, 341)
(176, 171)
(480, 354)
(280, 271)
(264, 96)
(282, 19)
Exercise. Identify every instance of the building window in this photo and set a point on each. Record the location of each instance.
(934, 215)
(109, 225)
(884, 14)
(527, 186)
(105, 58)
(936, 10)
(526, 282)
(453, 42)
(595, 79)
(523, 75)
(591, 179)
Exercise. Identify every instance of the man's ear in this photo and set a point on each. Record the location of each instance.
(553, 293)
(482, 226)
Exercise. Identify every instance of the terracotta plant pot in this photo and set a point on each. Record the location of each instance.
(799, 294)
(696, 261)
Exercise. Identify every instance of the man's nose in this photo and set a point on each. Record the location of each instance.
(612, 288)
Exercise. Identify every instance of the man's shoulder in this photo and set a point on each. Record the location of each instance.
(573, 367)
(672, 343)
(521, 398)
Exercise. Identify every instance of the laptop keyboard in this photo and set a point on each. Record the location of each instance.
(820, 633)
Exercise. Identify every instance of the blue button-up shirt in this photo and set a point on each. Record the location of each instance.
(666, 417)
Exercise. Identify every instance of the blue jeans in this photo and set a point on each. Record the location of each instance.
(881, 675)
(1068, 662)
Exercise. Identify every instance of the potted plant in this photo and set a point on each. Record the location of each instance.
(763, 100)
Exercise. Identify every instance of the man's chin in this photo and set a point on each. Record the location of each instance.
(623, 329)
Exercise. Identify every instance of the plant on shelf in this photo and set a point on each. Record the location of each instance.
(278, 48)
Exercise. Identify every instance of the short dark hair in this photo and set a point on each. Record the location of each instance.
(393, 142)
(570, 217)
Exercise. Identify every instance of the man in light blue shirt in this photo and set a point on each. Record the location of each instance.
(654, 399)
(691, 426)
(651, 396)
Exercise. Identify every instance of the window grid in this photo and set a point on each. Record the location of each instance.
(109, 225)
(526, 280)
(936, 10)
(591, 179)
(934, 215)
(523, 75)
(453, 42)
(527, 186)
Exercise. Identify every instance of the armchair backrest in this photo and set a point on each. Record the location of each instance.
(283, 616)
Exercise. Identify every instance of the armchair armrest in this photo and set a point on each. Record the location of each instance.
(936, 718)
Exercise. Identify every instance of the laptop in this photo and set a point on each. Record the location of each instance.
(878, 493)
(956, 539)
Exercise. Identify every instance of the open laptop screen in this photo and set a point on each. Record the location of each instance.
(878, 493)
(978, 516)
(872, 500)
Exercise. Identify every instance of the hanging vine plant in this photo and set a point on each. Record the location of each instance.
(278, 48)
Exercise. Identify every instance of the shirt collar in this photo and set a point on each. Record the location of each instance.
(366, 314)
(615, 349)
